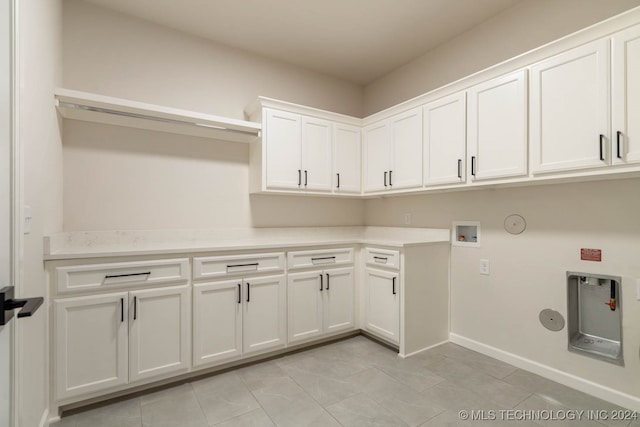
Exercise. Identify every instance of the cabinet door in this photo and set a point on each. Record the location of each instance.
(346, 159)
(445, 140)
(382, 293)
(406, 155)
(570, 109)
(376, 157)
(497, 124)
(264, 315)
(304, 294)
(159, 331)
(338, 300)
(217, 321)
(316, 154)
(90, 341)
(283, 135)
(626, 96)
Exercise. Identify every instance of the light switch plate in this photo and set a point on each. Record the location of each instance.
(407, 219)
(484, 266)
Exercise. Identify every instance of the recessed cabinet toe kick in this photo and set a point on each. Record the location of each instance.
(125, 324)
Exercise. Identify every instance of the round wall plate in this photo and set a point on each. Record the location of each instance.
(551, 319)
(515, 224)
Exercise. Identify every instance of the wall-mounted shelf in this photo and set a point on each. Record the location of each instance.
(123, 112)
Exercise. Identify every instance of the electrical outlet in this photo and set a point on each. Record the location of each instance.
(484, 266)
(407, 219)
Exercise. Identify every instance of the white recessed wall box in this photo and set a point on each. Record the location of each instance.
(465, 233)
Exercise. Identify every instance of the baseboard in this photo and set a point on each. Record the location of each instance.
(404, 356)
(594, 389)
(44, 420)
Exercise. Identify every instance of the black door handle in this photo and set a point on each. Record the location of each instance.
(602, 147)
(299, 177)
(473, 165)
(305, 178)
(459, 168)
(248, 292)
(393, 285)
(618, 137)
(338, 186)
(8, 304)
(390, 183)
(239, 293)
(135, 308)
(385, 178)
(327, 281)
(321, 282)
(121, 310)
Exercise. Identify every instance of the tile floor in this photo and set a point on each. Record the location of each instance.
(355, 382)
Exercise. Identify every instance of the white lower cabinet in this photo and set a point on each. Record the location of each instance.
(382, 303)
(236, 317)
(110, 340)
(320, 302)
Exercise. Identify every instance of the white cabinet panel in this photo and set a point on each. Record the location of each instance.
(283, 149)
(347, 159)
(91, 343)
(316, 154)
(382, 304)
(264, 313)
(339, 300)
(406, 146)
(626, 96)
(445, 140)
(376, 157)
(305, 305)
(497, 127)
(570, 109)
(159, 322)
(217, 321)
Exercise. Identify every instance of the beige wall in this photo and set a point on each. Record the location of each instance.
(525, 26)
(528, 270)
(40, 71)
(118, 178)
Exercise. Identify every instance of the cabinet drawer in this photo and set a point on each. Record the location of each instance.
(78, 278)
(321, 257)
(217, 266)
(383, 258)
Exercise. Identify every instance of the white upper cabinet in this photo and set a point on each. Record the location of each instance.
(393, 152)
(625, 83)
(497, 127)
(376, 157)
(283, 149)
(406, 150)
(570, 109)
(346, 159)
(444, 140)
(316, 154)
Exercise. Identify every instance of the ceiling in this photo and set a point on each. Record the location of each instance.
(354, 40)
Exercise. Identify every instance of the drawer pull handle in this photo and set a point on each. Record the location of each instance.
(393, 285)
(239, 293)
(253, 264)
(248, 292)
(323, 258)
(113, 276)
(320, 282)
(121, 310)
(135, 308)
(327, 281)
(380, 259)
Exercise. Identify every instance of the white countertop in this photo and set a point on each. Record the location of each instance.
(94, 244)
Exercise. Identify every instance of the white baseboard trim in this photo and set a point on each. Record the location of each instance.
(594, 389)
(44, 420)
(404, 356)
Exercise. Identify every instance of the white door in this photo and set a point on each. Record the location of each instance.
(90, 345)
(569, 110)
(304, 294)
(217, 321)
(346, 159)
(6, 331)
(316, 154)
(382, 304)
(338, 299)
(158, 331)
(406, 154)
(264, 315)
(497, 124)
(376, 157)
(445, 140)
(283, 133)
(625, 82)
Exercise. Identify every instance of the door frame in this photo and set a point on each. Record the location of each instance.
(15, 198)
